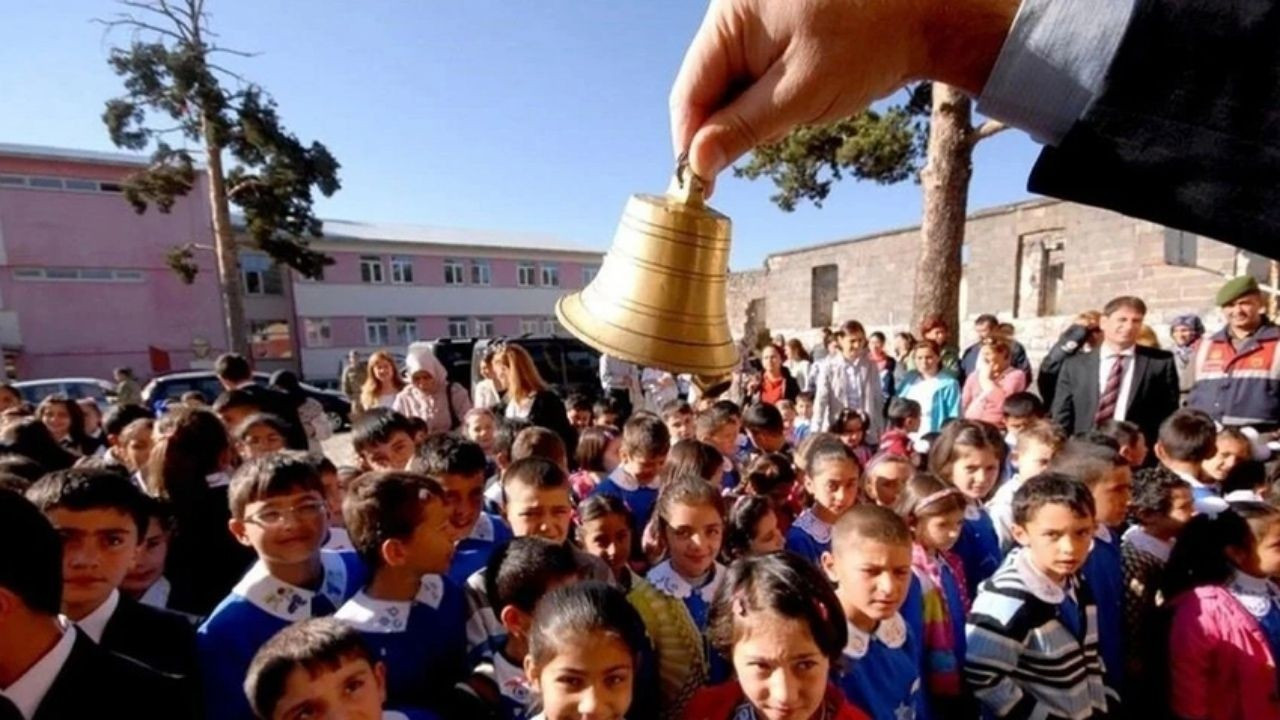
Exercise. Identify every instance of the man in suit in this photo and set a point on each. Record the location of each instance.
(1120, 380)
(236, 376)
(50, 670)
(1159, 109)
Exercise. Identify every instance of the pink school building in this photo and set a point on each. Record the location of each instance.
(84, 286)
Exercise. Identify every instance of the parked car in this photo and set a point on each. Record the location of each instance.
(169, 388)
(76, 388)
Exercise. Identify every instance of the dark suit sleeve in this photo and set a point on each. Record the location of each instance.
(1063, 410)
(1187, 130)
(1170, 390)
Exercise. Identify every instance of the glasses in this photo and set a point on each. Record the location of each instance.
(275, 517)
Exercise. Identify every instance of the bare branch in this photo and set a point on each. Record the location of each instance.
(238, 53)
(126, 20)
(185, 28)
(227, 72)
(986, 130)
(245, 185)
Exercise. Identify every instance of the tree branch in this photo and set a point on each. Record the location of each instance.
(227, 72)
(126, 20)
(245, 185)
(238, 53)
(164, 11)
(986, 130)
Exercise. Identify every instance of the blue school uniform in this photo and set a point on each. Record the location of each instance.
(516, 699)
(697, 600)
(473, 551)
(1261, 598)
(258, 607)
(640, 499)
(809, 537)
(1104, 572)
(422, 642)
(978, 547)
(882, 672)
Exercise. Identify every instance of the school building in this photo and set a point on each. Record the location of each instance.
(1035, 264)
(84, 284)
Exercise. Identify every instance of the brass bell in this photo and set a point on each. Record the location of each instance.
(659, 298)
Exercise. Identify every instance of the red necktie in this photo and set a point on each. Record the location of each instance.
(1111, 393)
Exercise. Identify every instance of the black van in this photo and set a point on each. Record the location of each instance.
(566, 363)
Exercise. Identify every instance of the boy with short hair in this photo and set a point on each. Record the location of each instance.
(334, 490)
(411, 616)
(607, 412)
(720, 426)
(1032, 635)
(145, 581)
(578, 407)
(1186, 439)
(644, 447)
(903, 422)
(383, 440)
(1133, 444)
(540, 442)
(804, 416)
(459, 466)
(278, 509)
(1038, 442)
(870, 564)
(1020, 410)
(765, 430)
(316, 668)
(678, 416)
(114, 422)
(518, 575)
(504, 439)
(101, 516)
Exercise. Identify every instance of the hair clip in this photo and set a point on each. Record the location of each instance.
(935, 497)
(822, 610)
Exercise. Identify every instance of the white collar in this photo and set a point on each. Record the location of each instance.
(1143, 541)
(28, 691)
(511, 680)
(218, 479)
(1257, 595)
(339, 539)
(892, 633)
(1036, 582)
(665, 578)
(813, 526)
(286, 601)
(371, 615)
(1195, 482)
(95, 622)
(624, 480)
(483, 529)
(1103, 533)
(1110, 352)
(158, 594)
(972, 510)
(1236, 496)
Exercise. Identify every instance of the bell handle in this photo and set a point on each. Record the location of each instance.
(686, 187)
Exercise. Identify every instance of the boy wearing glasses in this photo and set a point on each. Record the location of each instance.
(277, 508)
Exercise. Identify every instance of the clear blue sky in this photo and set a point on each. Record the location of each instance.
(536, 116)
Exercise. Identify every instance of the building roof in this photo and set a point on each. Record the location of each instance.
(45, 152)
(353, 230)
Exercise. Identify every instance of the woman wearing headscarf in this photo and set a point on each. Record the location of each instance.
(1186, 331)
(429, 394)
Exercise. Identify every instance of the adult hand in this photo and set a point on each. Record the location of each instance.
(758, 68)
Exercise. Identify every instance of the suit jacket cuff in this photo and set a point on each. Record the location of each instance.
(1054, 64)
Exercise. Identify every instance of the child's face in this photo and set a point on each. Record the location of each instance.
(394, 454)
(974, 471)
(767, 440)
(429, 549)
(590, 676)
(57, 419)
(464, 494)
(724, 439)
(804, 408)
(852, 434)
(1181, 508)
(607, 419)
(1268, 551)
(1057, 540)
(680, 427)
(98, 548)
(833, 484)
(92, 418)
(539, 512)
(353, 691)
(782, 671)
(912, 424)
(1231, 452)
(871, 578)
(885, 482)
(259, 440)
(767, 537)
(580, 418)
(233, 416)
(939, 532)
(1111, 496)
(1015, 425)
(1135, 453)
(644, 468)
(608, 538)
(148, 564)
(1033, 457)
(693, 535)
(137, 449)
(788, 415)
(285, 529)
(480, 430)
(926, 361)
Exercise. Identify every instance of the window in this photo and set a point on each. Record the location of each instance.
(550, 326)
(45, 183)
(53, 183)
(1041, 265)
(457, 327)
(589, 273)
(317, 331)
(824, 292)
(480, 272)
(377, 332)
(77, 274)
(453, 274)
(551, 276)
(370, 269)
(529, 326)
(269, 339)
(401, 270)
(12, 180)
(406, 330)
(260, 275)
(526, 274)
(484, 327)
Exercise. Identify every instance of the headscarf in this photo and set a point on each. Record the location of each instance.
(1192, 321)
(433, 407)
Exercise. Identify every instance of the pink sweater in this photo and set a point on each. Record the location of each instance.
(989, 406)
(1220, 665)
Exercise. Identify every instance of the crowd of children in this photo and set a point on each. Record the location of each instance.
(706, 562)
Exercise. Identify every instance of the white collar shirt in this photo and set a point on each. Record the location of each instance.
(1105, 361)
(95, 623)
(28, 691)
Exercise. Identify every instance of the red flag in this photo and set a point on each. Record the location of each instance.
(159, 360)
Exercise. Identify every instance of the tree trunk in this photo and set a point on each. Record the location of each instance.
(945, 178)
(225, 249)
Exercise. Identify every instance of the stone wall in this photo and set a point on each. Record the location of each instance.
(1035, 264)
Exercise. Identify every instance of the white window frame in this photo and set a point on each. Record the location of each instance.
(549, 275)
(61, 275)
(589, 273)
(406, 330)
(454, 273)
(457, 328)
(401, 270)
(262, 273)
(373, 265)
(521, 268)
(483, 327)
(317, 332)
(481, 273)
(550, 326)
(530, 326)
(377, 332)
